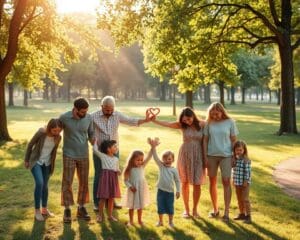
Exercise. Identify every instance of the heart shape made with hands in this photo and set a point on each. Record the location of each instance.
(152, 111)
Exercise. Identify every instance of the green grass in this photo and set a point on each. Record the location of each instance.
(275, 215)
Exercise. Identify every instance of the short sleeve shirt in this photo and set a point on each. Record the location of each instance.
(219, 133)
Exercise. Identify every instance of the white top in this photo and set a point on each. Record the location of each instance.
(46, 151)
(167, 176)
(219, 133)
(108, 162)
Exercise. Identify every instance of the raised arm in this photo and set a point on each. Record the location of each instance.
(97, 152)
(148, 157)
(153, 144)
(174, 125)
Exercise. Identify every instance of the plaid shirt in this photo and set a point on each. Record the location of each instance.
(242, 172)
(107, 128)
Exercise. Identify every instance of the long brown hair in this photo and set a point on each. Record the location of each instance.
(130, 162)
(219, 107)
(188, 112)
(53, 123)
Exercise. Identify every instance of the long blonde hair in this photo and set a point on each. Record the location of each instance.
(219, 107)
(130, 162)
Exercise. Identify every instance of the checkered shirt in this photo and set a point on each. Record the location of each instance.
(242, 172)
(107, 128)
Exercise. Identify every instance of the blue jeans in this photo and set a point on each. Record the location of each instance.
(41, 176)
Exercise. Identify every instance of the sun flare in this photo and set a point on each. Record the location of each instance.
(70, 6)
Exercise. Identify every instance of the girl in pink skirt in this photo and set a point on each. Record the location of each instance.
(108, 187)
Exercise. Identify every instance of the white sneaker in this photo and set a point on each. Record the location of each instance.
(159, 224)
(39, 217)
(171, 225)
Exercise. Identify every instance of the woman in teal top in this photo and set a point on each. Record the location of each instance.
(219, 136)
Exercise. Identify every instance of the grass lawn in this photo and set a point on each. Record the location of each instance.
(275, 215)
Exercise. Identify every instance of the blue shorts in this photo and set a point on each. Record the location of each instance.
(165, 202)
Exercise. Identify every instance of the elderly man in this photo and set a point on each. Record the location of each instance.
(106, 124)
(78, 130)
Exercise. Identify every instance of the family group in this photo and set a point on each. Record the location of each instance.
(207, 146)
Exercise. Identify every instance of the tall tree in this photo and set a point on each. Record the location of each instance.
(254, 24)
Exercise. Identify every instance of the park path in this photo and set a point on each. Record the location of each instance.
(287, 176)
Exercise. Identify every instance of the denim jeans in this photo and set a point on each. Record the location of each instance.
(41, 176)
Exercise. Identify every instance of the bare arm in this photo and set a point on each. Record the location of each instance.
(174, 125)
(147, 159)
(204, 145)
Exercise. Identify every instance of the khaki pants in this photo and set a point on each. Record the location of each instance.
(242, 194)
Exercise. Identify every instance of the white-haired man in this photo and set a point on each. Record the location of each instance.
(106, 125)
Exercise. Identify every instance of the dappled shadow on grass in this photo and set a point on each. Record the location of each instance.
(68, 232)
(177, 234)
(37, 232)
(240, 232)
(269, 194)
(146, 233)
(85, 231)
(113, 230)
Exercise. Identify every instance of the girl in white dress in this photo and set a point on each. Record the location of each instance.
(137, 196)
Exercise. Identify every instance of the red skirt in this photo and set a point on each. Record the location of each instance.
(108, 186)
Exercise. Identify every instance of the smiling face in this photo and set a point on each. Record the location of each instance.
(216, 115)
(138, 161)
(113, 149)
(168, 160)
(187, 120)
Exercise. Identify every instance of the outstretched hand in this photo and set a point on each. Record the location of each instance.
(151, 113)
(153, 142)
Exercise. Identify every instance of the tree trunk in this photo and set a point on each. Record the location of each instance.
(174, 99)
(270, 95)
(243, 95)
(278, 96)
(4, 135)
(25, 98)
(11, 94)
(228, 94)
(53, 92)
(287, 106)
(261, 94)
(298, 96)
(221, 86)
(207, 99)
(232, 92)
(7, 62)
(189, 99)
(163, 91)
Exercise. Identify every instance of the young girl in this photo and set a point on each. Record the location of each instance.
(190, 158)
(108, 187)
(40, 159)
(137, 196)
(168, 175)
(242, 179)
(220, 134)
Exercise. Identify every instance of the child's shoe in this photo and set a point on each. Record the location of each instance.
(39, 217)
(113, 219)
(171, 225)
(100, 218)
(47, 214)
(248, 219)
(241, 216)
(159, 224)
